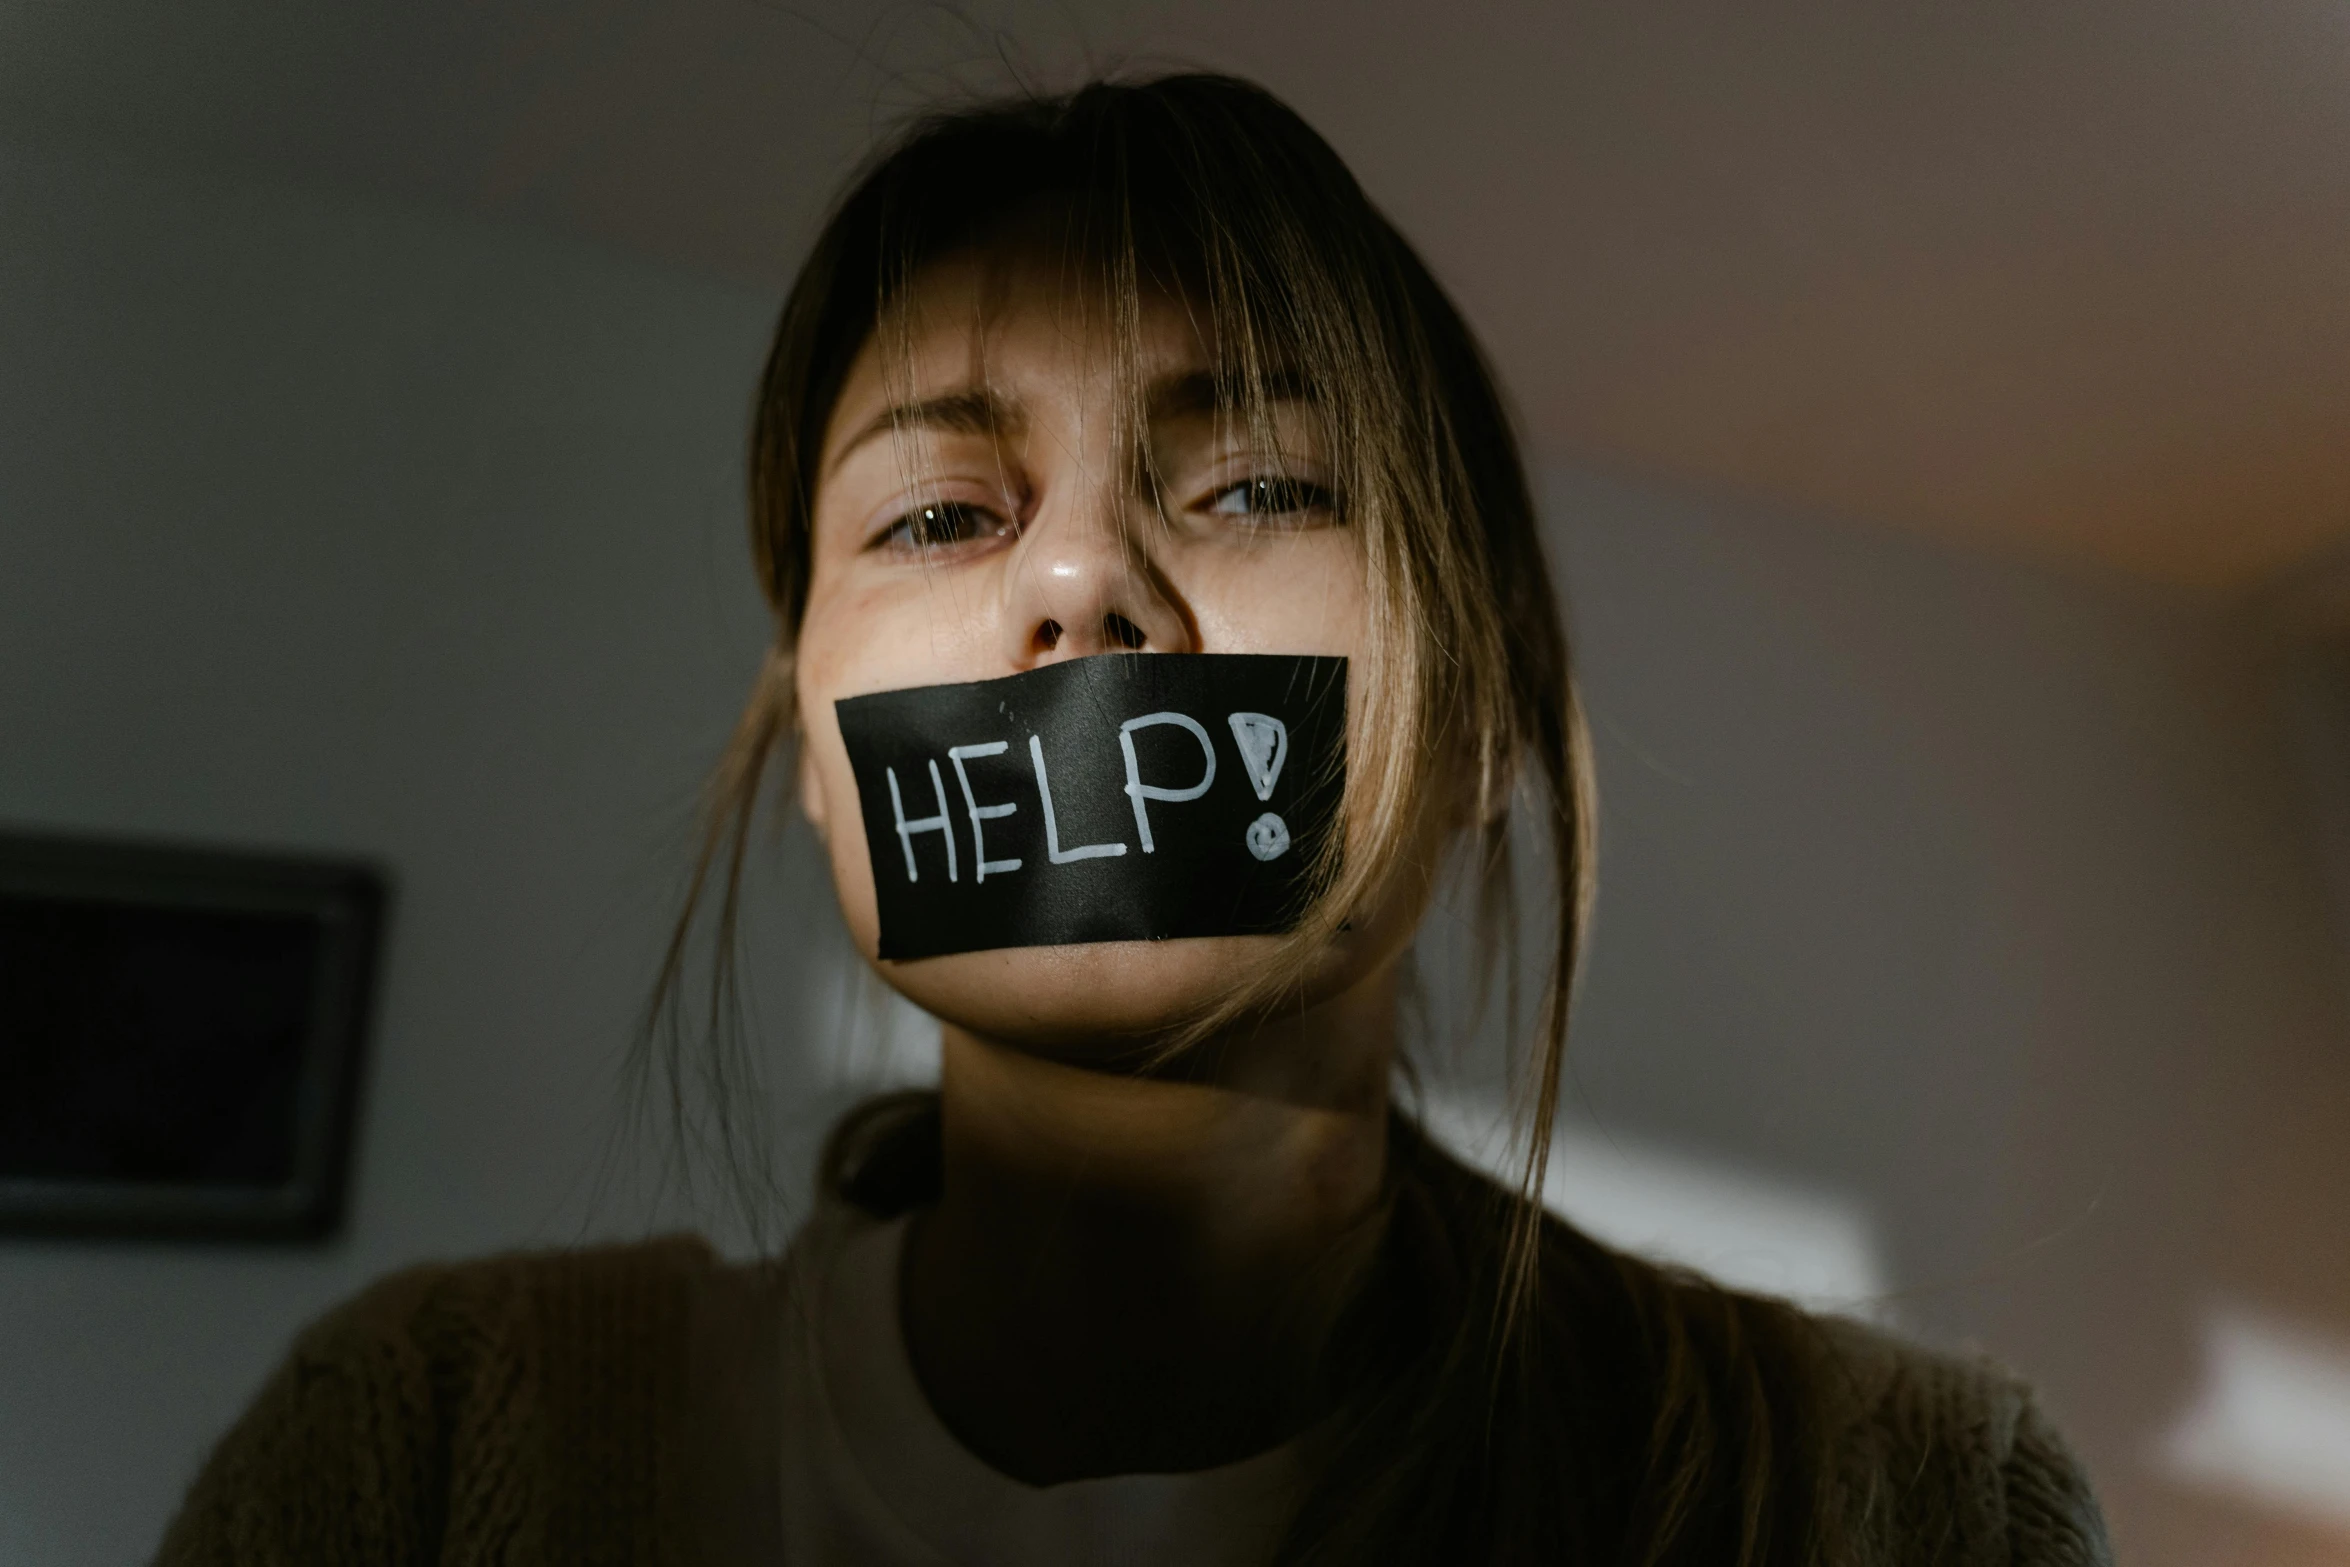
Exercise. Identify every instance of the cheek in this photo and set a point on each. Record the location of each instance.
(1294, 595)
(860, 637)
(834, 655)
(828, 792)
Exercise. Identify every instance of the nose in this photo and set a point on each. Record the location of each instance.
(1085, 580)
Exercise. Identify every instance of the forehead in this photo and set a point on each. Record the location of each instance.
(1019, 313)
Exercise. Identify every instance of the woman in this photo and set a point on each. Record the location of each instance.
(1157, 1274)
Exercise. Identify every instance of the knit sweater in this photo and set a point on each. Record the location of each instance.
(617, 1405)
(607, 1405)
(623, 1405)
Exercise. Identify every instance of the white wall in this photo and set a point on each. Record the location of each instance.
(1973, 894)
(1990, 898)
(332, 526)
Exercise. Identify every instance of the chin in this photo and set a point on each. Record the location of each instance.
(1093, 1002)
(1103, 1004)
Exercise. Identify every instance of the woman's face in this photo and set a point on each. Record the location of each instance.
(975, 518)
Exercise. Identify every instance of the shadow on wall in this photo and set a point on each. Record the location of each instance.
(1987, 898)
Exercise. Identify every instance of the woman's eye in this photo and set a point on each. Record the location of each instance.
(941, 525)
(1271, 497)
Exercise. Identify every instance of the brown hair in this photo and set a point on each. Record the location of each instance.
(1542, 1396)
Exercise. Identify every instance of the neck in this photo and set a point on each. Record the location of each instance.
(1130, 1274)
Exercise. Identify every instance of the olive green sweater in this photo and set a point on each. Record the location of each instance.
(570, 1407)
(618, 1405)
(624, 1404)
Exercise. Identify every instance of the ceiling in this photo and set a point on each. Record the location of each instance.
(2071, 280)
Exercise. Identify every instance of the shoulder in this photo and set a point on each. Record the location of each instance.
(447, 1334)
(491, 1295)
(454, 1399)
(1956, 1449)
(1900, 1452)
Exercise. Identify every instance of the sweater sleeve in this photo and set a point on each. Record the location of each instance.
(2052, 1515)
(342, 1460)
(1949, 1458)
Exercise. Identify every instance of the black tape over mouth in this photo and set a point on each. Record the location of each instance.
(1121, 797)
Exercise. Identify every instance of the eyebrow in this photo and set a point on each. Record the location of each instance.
(974, 410)
(977, 410)
(1199, 392)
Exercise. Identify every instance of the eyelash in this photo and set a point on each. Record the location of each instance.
(1275, 495)
(949, 524)
(921, 530)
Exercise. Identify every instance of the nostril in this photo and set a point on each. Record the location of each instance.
(1048, 636)
(1122, 631)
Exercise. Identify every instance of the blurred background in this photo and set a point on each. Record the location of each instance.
(1943, 416)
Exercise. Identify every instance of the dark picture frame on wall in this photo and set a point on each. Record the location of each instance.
(181, 1035)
